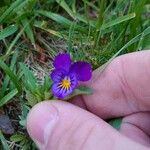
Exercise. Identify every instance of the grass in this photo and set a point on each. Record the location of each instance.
(32, 32)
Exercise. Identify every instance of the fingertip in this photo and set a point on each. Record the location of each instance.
(38, 119)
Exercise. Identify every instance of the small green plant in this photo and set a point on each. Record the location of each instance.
(34, 91)
(23, 140)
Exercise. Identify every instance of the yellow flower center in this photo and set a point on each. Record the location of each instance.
(65, 84)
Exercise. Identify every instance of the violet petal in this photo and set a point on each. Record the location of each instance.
(57, 75)
(62, 61)
(82, 70)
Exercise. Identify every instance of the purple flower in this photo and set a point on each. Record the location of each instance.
(66, 75)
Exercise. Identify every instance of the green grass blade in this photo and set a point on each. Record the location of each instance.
(56, 17)
(101, 15)
(132, 41)
(138, 10)
(118, 21)
(8, 31)
(15, 40)
(8, 11)
(144, 43)
(64, 5)
(21, 7)
(70, 44)
(91, 5)
(39, 25)
(8, 97)
(99, 22)
(13, 77)
(28, 30)
(138, 37)
(8, 52)
(7, 79)
(139, 5)
(75, 16)
(108, 7)
(85, 20)
(60, 19)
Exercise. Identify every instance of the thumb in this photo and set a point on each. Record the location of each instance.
(62, 126)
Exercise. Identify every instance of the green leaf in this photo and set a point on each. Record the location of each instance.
(23, 123)
(3, 142)
(82, 90)
(47, 95)
(8, 97)
(32, 100)
(116, 123)
(24, 141)
(7, 79)
(13, 77)
(8, 31)
(23, 116)
(17, 137)
(47, 83)
(30, 80)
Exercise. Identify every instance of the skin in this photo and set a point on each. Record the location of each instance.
(121, 90)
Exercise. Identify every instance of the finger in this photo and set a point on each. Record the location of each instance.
(62, 126)
(123, 88)
(137, 127)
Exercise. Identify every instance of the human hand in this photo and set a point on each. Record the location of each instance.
(122, 90)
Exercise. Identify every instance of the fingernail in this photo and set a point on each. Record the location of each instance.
(41, 122)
